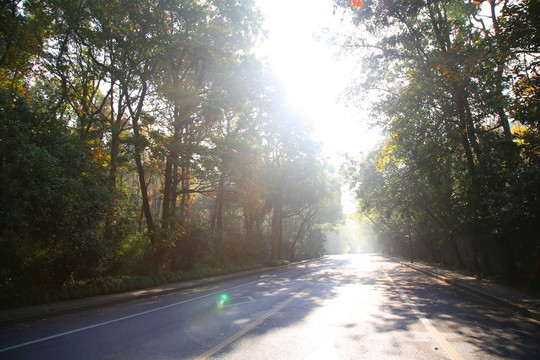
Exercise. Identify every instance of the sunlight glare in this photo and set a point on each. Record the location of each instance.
(315, 78)
(297, 49)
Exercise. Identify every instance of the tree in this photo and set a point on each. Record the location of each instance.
(299, 188)
(51, 205)
(139, 137)
(53, 198)
(450, 153)
(313, 201)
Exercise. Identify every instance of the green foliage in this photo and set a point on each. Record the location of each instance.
(275, 263)
(72, 289)
(188, 246)
(452, 179)
(52, 199)
(137, 139)
(134, 257)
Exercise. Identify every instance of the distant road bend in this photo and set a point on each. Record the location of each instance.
(340, 307)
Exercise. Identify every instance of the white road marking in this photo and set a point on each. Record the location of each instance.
(128, 317)
(244, 330)
(454, 355)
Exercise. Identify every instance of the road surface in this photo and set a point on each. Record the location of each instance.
(342, 307)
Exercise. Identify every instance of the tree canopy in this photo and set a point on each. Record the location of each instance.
(144, 137)
(456, 178)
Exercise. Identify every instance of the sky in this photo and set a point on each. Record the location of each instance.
(314, 77)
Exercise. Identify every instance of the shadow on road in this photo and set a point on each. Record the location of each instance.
(488, 328)
(461, 318)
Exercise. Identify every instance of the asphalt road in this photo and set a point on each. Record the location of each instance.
(344, 307)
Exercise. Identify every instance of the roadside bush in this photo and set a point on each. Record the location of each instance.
(53, 195)
(275, 263)
(11, 297)
(189, 247)
(135, 257)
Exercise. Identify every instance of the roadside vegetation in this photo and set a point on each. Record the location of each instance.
(457, 178)
(142, 142)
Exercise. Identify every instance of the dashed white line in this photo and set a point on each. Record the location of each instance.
(126, 317)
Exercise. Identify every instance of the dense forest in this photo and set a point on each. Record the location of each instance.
(143, 142)
(457, 178)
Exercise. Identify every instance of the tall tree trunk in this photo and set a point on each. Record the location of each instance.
(459, 94)
(217, 216)
(174, 196)
(155, 240)
(248, 224)
(466, 121)
(276, 226)
(171, 172)
(167, 191)
(169, 176)
(277, 216)
(500, 58)
(299, 235)
(185, 190)
(301, 231)
(116, 129)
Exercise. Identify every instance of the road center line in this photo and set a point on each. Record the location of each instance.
(246, 329)
(129, 316)
(454, 355)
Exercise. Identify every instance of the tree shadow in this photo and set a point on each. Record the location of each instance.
(451, 311)
(490, 329)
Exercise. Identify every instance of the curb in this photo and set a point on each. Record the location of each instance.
(514, 307)
(19, 316)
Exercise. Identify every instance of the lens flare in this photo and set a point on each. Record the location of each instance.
(223, 298)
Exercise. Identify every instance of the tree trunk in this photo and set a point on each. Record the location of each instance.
(167, 192)
(467, 129)
(248, 224)
(459, 94)
(217, 218)
(113, 171)
(300, 232)
(169, 185)
(155, 240)
(276, 227)
(501, 61)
